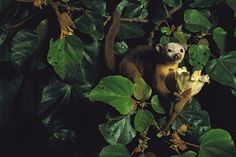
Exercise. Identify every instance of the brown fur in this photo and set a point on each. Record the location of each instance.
(142, 61)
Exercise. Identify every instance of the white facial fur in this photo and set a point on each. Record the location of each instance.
(174, 51)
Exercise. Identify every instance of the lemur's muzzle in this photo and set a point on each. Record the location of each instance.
(177, 56)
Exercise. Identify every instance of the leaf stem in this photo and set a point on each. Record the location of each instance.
(218, 60)
(191, 144)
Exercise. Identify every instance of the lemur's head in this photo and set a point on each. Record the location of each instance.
(173, 52)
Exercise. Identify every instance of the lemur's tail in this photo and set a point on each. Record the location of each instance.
(109, 42)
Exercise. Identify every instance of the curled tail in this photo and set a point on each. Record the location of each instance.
(109, 42)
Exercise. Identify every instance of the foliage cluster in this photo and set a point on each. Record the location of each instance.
(27, 44)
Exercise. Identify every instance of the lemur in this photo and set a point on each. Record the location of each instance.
(152, 63)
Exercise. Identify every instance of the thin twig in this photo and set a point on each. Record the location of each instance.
(22, 22)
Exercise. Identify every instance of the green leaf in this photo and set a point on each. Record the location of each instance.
(156, 105)
(85, 24)
(136, 10)
(186, 154)
(204, 42)
(198, 56)
(117, 150)
(216, 143)
(197, 118)
(99, 32)
(195, 21)
(219, 35)
(164, 40)
(173, 3)
(65, 55)
(143, 120)
(223, 69)
(115, 91)
(54, 95)
(121, 6)
(142, 91)
(204, 4)
(9, 89)
(181, 36)
(130, 31)
(98, 7)
(63, 135)
(118, 132)
(166, 30)
(24, 43)
(121, 48)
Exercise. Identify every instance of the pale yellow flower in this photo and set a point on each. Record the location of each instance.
(185, 81)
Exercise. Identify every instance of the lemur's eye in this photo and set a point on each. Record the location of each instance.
(169, 50)
(181, 50)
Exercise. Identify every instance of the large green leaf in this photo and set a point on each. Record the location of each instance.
(223, 69)
(186, 154)
(195, 21)
(24, 43)
(8, 91)
(65, 55)
(196, 118)
(115, 91)
(204, 3)
(118, 132)
(54, 95)
(85, 24)
(219, 35)
(156, 105)
(117, 150)
(173, 3)
(130, 31)
(216, 143)
(88, 70)
(143, 120)
(198, 56)
(142, 91)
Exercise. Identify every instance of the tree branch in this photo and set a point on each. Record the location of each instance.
(156, 28)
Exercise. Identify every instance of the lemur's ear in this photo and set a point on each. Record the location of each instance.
(159, 47)
(185, 46)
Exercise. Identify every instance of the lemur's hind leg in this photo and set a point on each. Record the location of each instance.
(130, 70)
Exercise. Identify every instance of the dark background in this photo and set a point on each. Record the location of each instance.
(27, 137)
